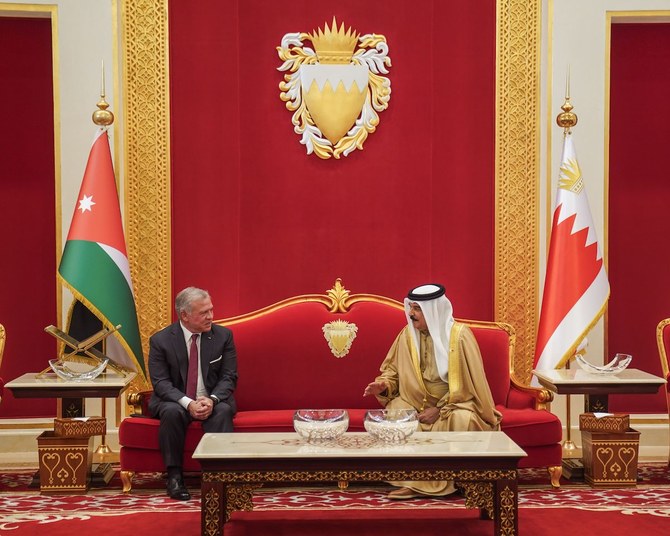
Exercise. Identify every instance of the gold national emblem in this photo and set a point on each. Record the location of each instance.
(335, 89)
(339, 334)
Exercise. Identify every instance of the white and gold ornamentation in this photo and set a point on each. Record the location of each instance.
(334, 90)
(339, 334)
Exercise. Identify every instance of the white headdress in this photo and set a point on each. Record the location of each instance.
(438, 312)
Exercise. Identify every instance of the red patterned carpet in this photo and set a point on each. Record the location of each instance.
(326, 511)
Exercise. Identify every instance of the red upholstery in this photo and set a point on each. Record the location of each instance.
(284, 363)
(537, 431)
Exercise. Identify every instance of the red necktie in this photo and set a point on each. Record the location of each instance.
(192, 377)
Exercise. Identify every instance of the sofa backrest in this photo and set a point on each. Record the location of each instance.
(496, 343)
(285, 362)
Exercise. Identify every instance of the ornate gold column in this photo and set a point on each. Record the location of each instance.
(517, 173)
(146, 99)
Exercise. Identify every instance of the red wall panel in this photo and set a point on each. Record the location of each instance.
(256, 220)
(27, 207)
(639, 197)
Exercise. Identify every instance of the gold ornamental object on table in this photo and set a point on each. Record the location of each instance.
(336, 88)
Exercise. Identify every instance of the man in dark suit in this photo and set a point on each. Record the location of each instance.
(184, 391)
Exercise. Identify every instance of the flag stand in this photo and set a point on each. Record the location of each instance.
(573, 468)
(569, 446)
(103, 449)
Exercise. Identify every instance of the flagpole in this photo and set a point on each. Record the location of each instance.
(567, 119)
(103, 118)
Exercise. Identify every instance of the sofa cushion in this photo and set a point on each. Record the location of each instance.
(282, 420)
(531, 427)
(142, 433)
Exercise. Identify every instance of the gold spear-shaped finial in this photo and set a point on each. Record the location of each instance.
(567, 119)
(102, 116)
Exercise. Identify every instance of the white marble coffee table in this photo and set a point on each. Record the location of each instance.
(483, 463)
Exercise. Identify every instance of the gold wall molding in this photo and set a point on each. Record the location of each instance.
(517, 174)
(146, 101)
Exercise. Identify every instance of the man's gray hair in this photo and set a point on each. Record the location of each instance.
(186, 297)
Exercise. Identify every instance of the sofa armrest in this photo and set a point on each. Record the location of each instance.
(139, 401)
(521, 395)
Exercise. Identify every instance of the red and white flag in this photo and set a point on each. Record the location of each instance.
(576, 288)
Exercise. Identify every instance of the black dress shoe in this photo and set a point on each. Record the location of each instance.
(177, 490)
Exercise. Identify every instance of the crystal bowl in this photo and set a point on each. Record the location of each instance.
(391, 425)
(320, 424)
(619, 363)
(77, 372)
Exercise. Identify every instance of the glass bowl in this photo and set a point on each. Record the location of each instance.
(619, 363)
(320, 424)
(77, 372)
(391, 425)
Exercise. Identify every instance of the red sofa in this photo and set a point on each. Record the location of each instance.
(285, 363)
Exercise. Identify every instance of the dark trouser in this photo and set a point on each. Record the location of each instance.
(174, 422)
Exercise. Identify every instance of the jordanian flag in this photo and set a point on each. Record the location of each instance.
(95, 266)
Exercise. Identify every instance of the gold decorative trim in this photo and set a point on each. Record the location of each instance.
(508, 510)
(336, 300)
(146, 101)
(660, 328)
(479, 495)
(517, 170)
(479, 486)
(3, 336)
(459, 475)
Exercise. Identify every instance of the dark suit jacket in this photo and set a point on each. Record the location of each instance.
(168, 364)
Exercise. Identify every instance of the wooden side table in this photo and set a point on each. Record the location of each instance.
(596, 389)
(48, 385)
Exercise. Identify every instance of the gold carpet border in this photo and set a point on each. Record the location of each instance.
(146, 101)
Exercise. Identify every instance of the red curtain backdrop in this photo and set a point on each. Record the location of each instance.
(256, 220)
(27, 206)
(639, 197)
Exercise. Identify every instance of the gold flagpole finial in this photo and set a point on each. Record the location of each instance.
(567, 119)
(102, 116)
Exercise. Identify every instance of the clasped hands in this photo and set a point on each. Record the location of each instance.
(201, 408)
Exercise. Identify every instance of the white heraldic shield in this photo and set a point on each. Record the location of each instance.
(335, 90)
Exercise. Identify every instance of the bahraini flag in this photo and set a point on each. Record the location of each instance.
(94, 265)
(576, 288)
